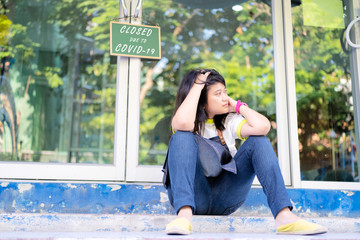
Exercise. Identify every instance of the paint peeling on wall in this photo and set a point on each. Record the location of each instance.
(348, 193)
(72, 186)
(297, 207)
(164, 197)
(115, 187)
(24, 187)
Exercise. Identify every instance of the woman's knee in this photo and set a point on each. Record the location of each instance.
(259, 144)
(181, 136)
(258, 140)
(183, 143)
(263, 151)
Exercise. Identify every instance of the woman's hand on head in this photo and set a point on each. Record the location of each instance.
(232, 104)
(201, 78)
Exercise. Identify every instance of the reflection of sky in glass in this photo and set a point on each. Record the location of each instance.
(237, 8)
(214, 11)
(196, 50)
(160, 65)
(169, 12)
(208, 33)
(223, 20)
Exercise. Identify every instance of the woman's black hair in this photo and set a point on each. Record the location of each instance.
(184, 88)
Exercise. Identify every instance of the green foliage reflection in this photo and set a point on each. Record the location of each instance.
(237, 44)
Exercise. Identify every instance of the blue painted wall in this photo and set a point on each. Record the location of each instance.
(32, 197)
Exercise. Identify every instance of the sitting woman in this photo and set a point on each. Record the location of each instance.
(204, 108)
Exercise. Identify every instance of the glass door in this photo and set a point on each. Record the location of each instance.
(326, 86)
(58, 87)
(235, 39)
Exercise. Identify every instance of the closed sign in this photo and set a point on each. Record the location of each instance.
(132, 40)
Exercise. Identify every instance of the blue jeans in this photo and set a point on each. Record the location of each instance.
(223, 194)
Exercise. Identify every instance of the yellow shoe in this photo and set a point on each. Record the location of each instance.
(179, 226)
(301, 227)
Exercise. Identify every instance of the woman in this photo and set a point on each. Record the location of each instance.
(202, 107)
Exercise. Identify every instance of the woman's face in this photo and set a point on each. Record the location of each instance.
(217, 100)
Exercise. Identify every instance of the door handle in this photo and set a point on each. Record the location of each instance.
(348, 33)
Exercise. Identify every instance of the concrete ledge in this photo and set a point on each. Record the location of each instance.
(150, 199)
(154, 223)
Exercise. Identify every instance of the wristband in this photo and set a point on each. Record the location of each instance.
(238, 105)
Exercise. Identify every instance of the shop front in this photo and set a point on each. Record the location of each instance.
(72, 112)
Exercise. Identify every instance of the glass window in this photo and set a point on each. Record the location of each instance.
(236, 41)
(57, 86)
(325, 104)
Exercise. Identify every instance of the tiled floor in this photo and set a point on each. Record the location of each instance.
(162, 236)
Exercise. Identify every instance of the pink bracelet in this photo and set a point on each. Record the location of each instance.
(238, 105)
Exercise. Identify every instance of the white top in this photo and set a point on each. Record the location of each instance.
(233, 124)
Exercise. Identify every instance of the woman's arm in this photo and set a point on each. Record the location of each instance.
(257, 124)
(184, 117)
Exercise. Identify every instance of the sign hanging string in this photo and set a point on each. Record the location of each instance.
(146, 21)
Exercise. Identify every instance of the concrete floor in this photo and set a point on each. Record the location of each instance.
(163, 236)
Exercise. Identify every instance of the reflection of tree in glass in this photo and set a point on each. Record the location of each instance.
(323, 100)
(49, 40)
(237, 44)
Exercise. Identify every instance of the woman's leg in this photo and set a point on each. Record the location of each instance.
(267, 170)
(188, 188)
(255, 157)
